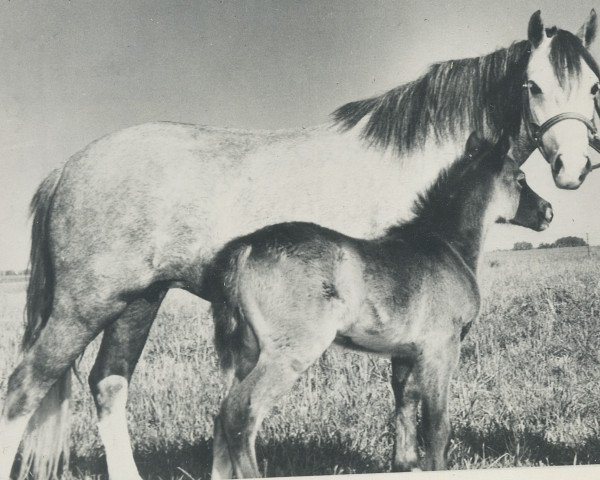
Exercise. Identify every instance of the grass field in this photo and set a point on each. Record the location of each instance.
(527, 390)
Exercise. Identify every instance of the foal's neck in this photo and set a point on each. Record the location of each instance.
(460, 222)
(468, 235)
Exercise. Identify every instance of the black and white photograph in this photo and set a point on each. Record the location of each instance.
(284, 238)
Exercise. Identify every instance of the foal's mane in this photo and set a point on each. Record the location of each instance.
(441, 202)
(480, 94)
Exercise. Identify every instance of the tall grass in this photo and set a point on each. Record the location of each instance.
(526, 392)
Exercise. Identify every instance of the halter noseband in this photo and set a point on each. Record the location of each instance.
(536, 132)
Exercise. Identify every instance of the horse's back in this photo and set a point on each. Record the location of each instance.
(148, 198)
(156, 201)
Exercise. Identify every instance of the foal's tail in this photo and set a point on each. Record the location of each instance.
(45, 447)
(226, 303)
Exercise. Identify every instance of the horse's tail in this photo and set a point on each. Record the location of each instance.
(45, 446)
(227, 313)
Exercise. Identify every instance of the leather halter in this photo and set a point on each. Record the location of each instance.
(536, 131)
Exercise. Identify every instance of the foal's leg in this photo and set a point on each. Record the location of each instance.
(405, 445)
(70, 328)
(109, 379)
(275, 373)
(436, 372)
(243, 361)
(222, 466)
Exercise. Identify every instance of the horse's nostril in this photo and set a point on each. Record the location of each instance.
(558, 164)
(588, 164)
(548, 214)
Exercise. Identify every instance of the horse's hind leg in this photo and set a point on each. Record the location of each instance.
(69, 329)
(407, 400)
(121, 347)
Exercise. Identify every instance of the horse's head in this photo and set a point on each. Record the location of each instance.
(512, 200)
(559, 92)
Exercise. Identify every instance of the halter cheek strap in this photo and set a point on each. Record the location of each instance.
(536, 132)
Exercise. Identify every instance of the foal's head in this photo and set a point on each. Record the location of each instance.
(510, 199)
(482, 187)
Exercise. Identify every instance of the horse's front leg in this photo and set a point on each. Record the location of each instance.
(405, 444)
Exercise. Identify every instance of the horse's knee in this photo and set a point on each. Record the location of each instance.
(28, 384)
(110, 394)
(20, 396)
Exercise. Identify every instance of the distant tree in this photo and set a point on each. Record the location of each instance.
(546, 245)
(522, 246)
(570, 242)
(10, 272)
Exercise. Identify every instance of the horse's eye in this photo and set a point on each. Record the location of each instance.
(521, 178)
(534, 88)
(595, 89)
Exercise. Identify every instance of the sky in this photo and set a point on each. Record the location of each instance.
(71, 72)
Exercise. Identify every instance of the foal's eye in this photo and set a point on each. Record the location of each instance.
(595, 89)
(521, 178)
(534, 88)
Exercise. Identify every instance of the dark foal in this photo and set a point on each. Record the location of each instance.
(284, 293)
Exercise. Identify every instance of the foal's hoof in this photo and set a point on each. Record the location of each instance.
(403, 467)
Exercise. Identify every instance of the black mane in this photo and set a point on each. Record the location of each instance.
(480, 94)
(566, 51)
(439, 204)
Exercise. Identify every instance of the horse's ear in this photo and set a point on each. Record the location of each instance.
(535, 31)
(474, 144)
(587, 32)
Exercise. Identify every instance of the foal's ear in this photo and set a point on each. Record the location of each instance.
(535, 31)
(587, 32)
(475, 144)
(503, 144)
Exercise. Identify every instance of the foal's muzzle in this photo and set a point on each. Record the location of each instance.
(545, 216)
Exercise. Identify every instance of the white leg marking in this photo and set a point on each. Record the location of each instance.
(11, 432)
(112, 425)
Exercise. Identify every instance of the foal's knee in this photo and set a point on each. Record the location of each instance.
(235, 418)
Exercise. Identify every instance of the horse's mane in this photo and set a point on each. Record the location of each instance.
(566, 50)
(480, 94)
